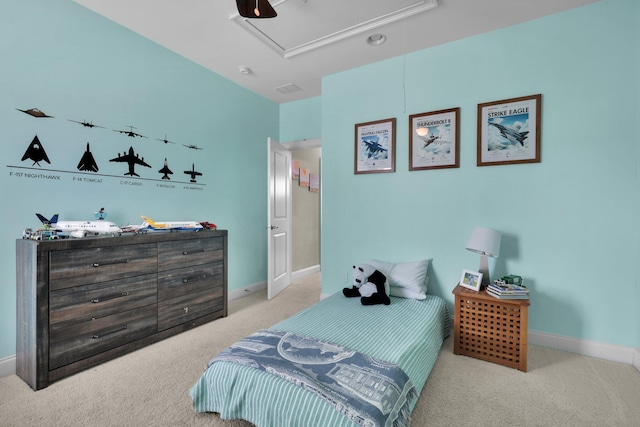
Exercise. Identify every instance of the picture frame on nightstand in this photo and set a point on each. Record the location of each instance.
(471, 280)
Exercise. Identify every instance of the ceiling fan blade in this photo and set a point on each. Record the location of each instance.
(247, 9)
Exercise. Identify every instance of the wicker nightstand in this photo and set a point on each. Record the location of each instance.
(490, 329)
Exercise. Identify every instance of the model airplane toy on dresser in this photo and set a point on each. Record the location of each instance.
(55, 229)
(81, 228)
(171, 225)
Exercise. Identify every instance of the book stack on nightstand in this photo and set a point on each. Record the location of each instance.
(501, 290)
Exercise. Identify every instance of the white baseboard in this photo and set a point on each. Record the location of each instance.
(260, 286)
(8, 366)
(299, 274)
(612, 352)
(243, 292)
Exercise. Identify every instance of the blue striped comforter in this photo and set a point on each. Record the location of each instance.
(407, 332)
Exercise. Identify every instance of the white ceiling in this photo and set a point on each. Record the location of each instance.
(210, 33)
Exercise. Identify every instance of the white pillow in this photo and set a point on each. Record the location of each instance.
(406, 280)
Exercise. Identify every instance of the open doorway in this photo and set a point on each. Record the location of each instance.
(306, 205)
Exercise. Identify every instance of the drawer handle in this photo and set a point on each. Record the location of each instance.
(109, 297)
(187, 279)
(119, 261)
(199, 251)
(96, 336)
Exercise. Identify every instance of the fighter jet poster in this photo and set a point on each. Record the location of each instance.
(434, 142)
(509, 131)
(375, 147)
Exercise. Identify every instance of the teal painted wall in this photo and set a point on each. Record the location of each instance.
(570, 224)
(75, 65)
(301, 120)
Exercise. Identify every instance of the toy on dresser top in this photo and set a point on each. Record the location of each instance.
(53, 228)
(80, 228)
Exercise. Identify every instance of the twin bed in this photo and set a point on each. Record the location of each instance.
(337, 363)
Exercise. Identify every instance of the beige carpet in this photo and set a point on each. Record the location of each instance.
(151, 386)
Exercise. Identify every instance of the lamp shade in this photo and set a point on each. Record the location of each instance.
(484, 241)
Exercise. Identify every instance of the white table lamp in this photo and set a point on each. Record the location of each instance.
(486, 242)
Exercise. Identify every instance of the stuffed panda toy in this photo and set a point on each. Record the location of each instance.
(369, 284)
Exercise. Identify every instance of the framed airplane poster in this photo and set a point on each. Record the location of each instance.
(375, 147)
(509, 131)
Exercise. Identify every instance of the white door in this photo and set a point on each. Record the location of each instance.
(279, 219)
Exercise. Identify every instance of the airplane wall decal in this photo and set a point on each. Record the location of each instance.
(34, 112)
(131, 159)
(87, 162)
(165, 170)
(87, 124)
(165, 140)
(35, 152)
(130, 132)
(193, 173)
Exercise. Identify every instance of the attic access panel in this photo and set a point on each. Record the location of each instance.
(305, 25)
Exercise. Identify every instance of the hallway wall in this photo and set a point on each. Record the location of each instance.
(306, 213)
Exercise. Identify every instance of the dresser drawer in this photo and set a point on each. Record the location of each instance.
(185, 308)
(70, 268)
(81, 303)
(187, 280)
(76, 342)
(185, 253)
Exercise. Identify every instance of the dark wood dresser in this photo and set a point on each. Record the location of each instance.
(81, 302)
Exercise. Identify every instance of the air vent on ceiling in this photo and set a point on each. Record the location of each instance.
(290, 88)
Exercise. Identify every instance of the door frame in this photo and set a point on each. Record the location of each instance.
(303, 144)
